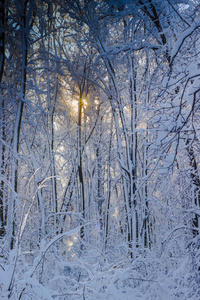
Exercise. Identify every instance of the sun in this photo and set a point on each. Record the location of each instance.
(84, 103)
(75, 104)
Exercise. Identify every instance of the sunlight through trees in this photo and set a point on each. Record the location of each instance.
(99, 149)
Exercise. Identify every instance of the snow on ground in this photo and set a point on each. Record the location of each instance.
(96, 276)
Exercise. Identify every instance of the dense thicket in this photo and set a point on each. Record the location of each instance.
(99, 148)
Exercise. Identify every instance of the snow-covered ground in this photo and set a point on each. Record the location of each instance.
(95, 275)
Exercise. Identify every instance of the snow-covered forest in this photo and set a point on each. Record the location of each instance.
(99, 149)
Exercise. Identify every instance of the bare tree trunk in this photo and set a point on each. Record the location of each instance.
(99, 170)
(133, 154)
(52, 155)
(196, 187)
(17, 126)
(2, 37)
(2, 116)
(2, 170)
(80, 165)
(51, 103)
(145, 226)
(108, 188)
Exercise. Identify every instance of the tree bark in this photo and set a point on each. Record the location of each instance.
(17, 126)
(80, 164)
(2, 38)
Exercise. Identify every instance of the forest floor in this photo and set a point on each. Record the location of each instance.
(95, 275)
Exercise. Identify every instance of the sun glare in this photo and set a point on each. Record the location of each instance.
(84, 103)
(75, 104)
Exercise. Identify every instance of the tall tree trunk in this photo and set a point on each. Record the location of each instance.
(17, 126)
(2, 170)
(99, 171)
(195, 188)
(2, 116)
(52, 155)
(133, 154)
(51, 103)
(2, 38)
(145, 226)
(80, 164)
(108, 187)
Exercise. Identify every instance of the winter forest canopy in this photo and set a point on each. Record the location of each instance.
(99, 149)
